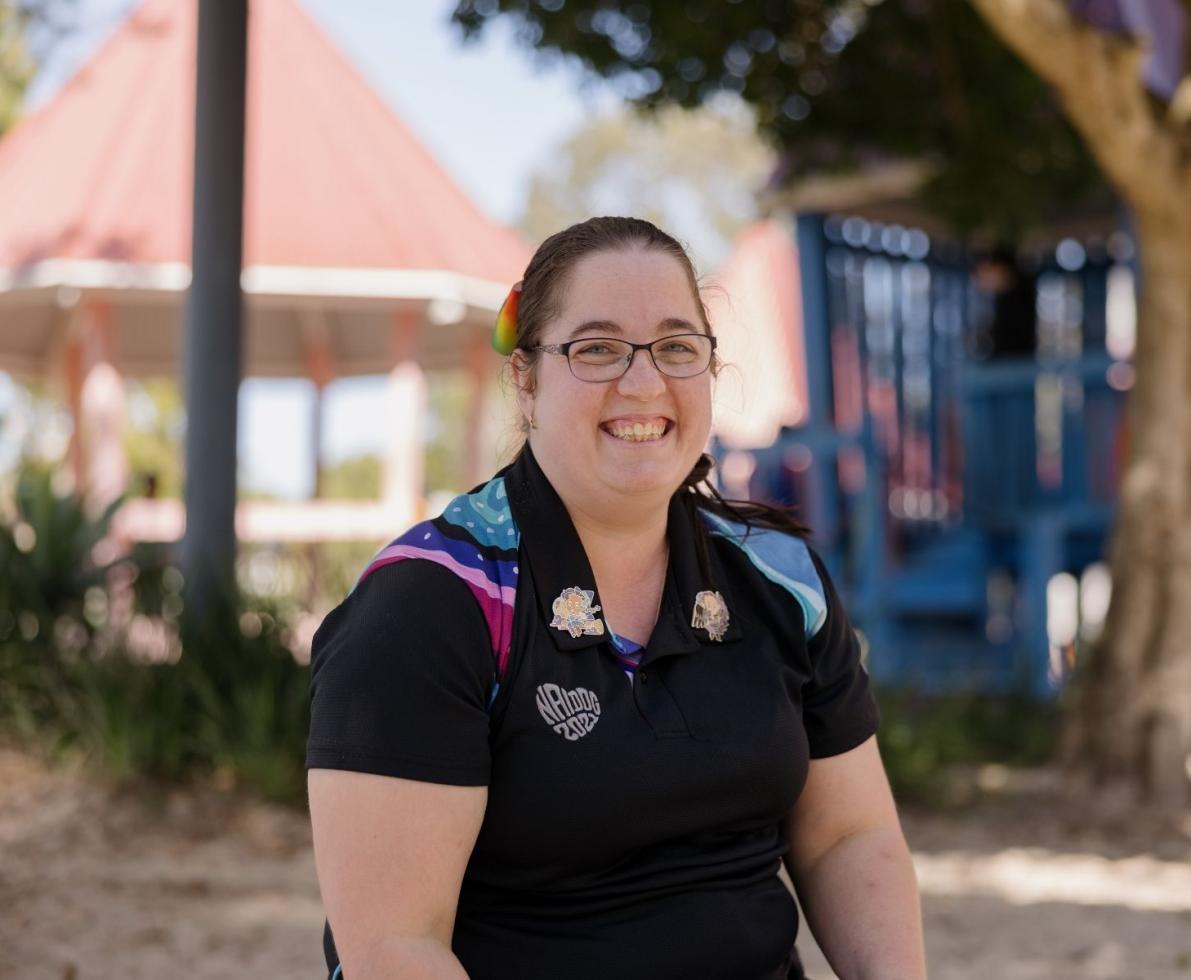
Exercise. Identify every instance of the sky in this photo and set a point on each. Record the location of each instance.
(491, 113)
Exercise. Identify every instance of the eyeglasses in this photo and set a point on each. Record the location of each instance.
(595, 359)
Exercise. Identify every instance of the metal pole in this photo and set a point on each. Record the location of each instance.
(214, 307)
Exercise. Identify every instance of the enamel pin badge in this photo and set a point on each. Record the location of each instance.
(711, 614)
(574, 613)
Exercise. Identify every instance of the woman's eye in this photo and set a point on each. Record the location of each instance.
(595, 348)
(678, 347)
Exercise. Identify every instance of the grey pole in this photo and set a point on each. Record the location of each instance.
(214, 305)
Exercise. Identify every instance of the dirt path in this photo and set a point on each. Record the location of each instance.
(96, 886)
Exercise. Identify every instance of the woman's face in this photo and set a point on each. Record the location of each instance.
(580, 438)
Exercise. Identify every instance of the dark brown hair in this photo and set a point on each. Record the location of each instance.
(542, 290)
(546, 276)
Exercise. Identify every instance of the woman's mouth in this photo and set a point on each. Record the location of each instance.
(637, 430)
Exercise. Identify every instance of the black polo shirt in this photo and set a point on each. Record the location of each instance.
(634, 824)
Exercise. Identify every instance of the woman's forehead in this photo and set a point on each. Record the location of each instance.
(633, 289)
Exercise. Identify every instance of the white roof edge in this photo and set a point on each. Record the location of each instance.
(97, 274)
(415, 284)
(263, 280)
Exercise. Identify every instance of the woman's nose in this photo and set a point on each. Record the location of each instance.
(642, 379)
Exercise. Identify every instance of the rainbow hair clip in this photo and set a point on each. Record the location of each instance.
(504, 334)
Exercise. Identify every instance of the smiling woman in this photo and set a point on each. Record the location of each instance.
(574, 725)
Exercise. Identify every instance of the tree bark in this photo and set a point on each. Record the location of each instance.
(1130, 719)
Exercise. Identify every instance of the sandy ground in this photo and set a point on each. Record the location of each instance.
(96, 884)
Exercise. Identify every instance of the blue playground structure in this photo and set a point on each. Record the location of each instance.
(949, 482)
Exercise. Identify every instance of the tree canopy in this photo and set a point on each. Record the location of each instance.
(28, 30)
(16, 65)
(842, 85)
(695, 171)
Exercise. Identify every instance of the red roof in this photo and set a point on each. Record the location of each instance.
(333, 176)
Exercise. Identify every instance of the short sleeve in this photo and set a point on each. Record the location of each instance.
(401, 673)
(839, 710)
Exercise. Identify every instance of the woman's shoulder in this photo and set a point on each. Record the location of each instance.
(421, 580)
(783, 558)
(475, 537)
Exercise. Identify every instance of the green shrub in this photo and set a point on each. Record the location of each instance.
(228, 699)
(235, 706)
(924, 739)
(53, 606)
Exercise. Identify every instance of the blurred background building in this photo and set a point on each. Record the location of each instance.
(872, 357)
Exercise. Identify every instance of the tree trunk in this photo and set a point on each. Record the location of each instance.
(1130, 721)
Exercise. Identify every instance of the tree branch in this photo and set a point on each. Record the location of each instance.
(1098, 80)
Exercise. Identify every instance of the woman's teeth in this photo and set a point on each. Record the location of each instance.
(637, 431)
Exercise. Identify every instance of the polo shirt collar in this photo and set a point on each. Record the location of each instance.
(552, 548)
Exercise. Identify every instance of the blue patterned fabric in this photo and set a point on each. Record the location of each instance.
(783, 559)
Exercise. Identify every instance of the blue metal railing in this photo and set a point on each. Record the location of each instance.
(924, 470)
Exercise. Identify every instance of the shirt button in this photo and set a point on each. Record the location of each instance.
(644, 675)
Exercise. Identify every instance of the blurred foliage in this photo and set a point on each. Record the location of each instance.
(354, 478)
(94, 658)
(297, 577)
(53, 602)
(28, 28)
(16, 64)
(924, 740)
(47, 548)
(841, 85)
(34, 425)
(450, 395)
(696, 172)
(153, 438)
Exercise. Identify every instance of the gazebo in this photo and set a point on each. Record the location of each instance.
(360, 255)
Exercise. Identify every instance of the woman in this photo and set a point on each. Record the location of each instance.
(571, 728)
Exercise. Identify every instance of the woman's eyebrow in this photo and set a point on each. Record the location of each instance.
(607, 328)
(602, 327)
(677, 323)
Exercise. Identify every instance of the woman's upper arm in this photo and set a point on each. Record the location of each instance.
(844, 795)
(390, 855)
(398, 758)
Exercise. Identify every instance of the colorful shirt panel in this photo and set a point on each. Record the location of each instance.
(477, 539)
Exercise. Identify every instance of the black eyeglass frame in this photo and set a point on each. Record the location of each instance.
(565, 348)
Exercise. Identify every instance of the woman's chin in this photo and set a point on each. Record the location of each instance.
(643, 476)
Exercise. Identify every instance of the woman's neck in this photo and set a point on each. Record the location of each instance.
(622, 545)
(623, 549)
(629, 564)
(623, 534)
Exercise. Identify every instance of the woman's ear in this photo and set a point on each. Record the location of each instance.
(523, 378)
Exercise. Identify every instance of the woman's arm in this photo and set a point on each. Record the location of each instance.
(390, 855)
(852, 870)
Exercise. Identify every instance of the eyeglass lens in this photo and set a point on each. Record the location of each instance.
(602, 359)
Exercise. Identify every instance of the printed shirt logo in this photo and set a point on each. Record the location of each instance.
(570, 713)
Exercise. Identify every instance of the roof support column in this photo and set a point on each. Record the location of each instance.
(95, 393)
(214, 308)
(102, 403)
(405, 420)
(320, 367)
(72, 373)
